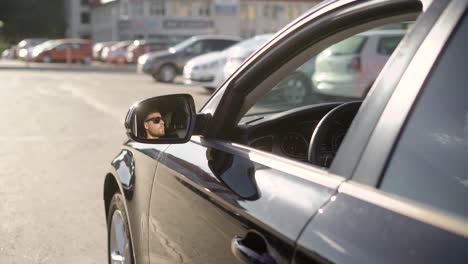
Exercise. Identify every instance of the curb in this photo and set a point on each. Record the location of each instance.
(70, 68)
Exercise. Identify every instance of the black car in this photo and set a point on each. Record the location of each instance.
(380, 178)
(165, 65)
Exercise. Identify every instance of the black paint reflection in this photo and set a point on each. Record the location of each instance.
(124, 165)
(236, 172)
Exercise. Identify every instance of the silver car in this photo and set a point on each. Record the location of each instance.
(350, 67)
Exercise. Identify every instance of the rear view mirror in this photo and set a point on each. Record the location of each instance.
(164, 119)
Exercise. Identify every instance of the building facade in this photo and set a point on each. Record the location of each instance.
(174, 20)
(78, 19)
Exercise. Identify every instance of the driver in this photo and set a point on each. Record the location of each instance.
(154, 125)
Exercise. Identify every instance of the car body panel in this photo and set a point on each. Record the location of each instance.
(220, 201)
(193, 200)
(138, 161)
(204, 70)
(353, 229)
(382, 227)
(63, 50)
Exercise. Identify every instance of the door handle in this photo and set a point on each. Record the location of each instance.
(251, 250)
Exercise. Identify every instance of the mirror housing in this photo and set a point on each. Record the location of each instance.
(167, 119)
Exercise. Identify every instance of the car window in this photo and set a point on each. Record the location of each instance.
(339, 73)
(62, 47)
(219, 44)
(197, 47)
(429, 163)
(387, 45)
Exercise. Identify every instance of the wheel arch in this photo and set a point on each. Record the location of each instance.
(110, 188)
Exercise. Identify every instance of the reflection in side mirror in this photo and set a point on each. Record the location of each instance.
(164, 119)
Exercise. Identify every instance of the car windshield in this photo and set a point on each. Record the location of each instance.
(254, 42)
(49, 44)
(182, 45)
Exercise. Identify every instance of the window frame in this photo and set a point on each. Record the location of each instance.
(241, 79)
(385, 135)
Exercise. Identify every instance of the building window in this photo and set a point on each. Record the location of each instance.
(85, 18)
(181, 8)
(124, 8)
(137, 8)
(244, 11)
(266, 10)
(252, 12)
(277, 11)
(157, 7)
(201, 9)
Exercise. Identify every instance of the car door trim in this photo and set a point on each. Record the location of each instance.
(295, 168)
(393, 118)
(414, 210)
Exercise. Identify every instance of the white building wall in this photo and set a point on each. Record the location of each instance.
(104, 22)
(132, 19)
(225, 14)
(263, 16)
(75, 27)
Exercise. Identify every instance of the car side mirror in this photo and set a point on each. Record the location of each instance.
(167, 119)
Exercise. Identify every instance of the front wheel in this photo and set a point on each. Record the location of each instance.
(167, 73)
(118, 234)
(86, 60)
(46, 59)
(296, 88)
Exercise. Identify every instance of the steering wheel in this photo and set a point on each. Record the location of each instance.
(321, 148)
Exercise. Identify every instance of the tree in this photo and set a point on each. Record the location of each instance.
(32, 18)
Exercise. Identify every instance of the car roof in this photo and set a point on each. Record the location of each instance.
(225, 37)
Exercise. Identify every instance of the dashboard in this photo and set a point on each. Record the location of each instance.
(291, 141)
(288, 134)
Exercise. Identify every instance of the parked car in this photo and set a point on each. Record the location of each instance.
(64, 50)
(140, 47)
(116, 53)
(238, 54)
(9, 53)
(207, 70)
(165, 65)
(26, 46)
(354, 62)
(377, 179)
(98, 48)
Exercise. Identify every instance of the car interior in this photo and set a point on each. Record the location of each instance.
(310, 131)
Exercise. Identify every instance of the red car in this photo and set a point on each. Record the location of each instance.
(64, 50)
(140, 47)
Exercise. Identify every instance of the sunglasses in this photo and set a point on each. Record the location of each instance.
(156, 120)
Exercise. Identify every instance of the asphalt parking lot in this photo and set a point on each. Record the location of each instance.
(60, 130)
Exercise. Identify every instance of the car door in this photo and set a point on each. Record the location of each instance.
(220, 198)
(406, 201)
(60, 52)
(195, 49)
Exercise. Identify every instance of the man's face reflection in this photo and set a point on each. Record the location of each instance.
(154, 125)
